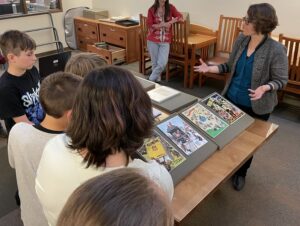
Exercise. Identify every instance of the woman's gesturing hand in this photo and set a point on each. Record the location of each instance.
(202, 68)
(259, 92)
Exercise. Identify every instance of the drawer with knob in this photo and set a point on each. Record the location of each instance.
(86, 30)
(112, 54)
(113, 35)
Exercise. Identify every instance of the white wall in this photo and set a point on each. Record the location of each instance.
(201, 11)
(32, 22)
(207, 12)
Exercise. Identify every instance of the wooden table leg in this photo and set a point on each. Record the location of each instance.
(193, 62)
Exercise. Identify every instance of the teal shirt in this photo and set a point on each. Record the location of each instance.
(241, 81)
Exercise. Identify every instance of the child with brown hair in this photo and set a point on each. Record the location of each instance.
(26, 142)
(20, 83)
(139, 202)
(111, 117)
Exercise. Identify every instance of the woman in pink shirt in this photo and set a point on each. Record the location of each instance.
(161, 16)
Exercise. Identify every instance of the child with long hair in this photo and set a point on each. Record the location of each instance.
(111, 117)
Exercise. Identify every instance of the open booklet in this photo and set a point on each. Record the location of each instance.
(162, 93)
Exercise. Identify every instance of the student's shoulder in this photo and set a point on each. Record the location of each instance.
(20, 131)
(59, 144)
(4, 79)
(156, 173)
(60, 139)
(152, 168)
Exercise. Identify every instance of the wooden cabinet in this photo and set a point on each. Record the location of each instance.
(89, 31)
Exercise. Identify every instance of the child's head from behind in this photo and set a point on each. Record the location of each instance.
(57, 93)
(18, 49)
(81, 64)
(119, 197)
(111, 113)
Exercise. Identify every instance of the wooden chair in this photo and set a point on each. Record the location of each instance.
(293, 53)
(144, 54)
(179, 50)
(227, 32)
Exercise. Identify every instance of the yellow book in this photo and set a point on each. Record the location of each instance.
(155, 149)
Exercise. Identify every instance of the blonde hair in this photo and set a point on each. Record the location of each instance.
(82, 63)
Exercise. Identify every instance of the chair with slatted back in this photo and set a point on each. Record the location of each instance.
(293, 53)
(179, 50)
(227, 32)
(144, 54)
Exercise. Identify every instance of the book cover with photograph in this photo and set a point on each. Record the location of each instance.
(223, 108)
(205, 120)
(182, 134)
(157, 148)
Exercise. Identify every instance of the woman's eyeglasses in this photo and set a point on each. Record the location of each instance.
(246, 20)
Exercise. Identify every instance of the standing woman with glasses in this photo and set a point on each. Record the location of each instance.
(161, 16)
(258, 67)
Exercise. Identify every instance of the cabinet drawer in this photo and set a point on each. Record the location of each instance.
(112, 54)
(87, 29)
(83, 41)
(114, 35)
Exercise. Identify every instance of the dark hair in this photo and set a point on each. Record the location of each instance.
(263, 16)
(111, 113)
(81, 64)
(121, 197)
(57, 93)
(167, 8)
(14, 41)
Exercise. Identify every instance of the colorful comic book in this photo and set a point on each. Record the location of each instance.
(157, 148)
(205, 120)
(224, 108)
(182, 134)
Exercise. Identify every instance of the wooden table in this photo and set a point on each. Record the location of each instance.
(191, 191)
(198, 41)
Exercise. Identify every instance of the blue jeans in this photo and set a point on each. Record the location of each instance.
(159, 53)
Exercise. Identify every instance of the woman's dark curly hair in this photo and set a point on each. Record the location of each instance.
(111, 113)
(263, 16)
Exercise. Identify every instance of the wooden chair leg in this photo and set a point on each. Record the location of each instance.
(186, 76)
(201, 79)
(143, 65)
(140, 66)
(167, 72)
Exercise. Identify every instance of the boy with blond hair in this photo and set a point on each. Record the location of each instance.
(26, 142)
